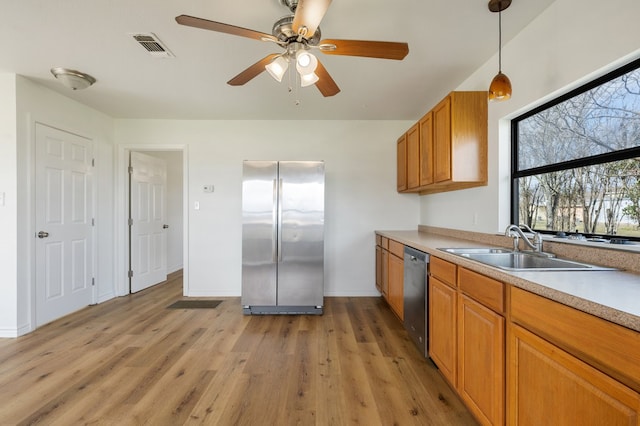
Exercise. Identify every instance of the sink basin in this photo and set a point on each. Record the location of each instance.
(521, 261)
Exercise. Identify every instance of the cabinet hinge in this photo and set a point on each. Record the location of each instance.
(130, 274)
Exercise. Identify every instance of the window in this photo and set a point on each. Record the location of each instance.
(576, 161)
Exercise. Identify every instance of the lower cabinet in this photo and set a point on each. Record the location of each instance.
(442, 328)
(481, 368)
(390, 273)
(549, 386)
(467, 337)
(396, 285)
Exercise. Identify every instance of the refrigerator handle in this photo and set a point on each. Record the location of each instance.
(280, 220)
(274, 223)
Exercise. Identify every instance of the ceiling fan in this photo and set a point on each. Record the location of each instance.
(297, 34)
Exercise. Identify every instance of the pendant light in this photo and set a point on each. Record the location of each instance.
(500, 88)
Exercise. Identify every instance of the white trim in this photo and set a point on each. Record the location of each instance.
(121, 255)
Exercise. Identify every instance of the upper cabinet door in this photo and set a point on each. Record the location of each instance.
(426, 149)
(402, 163)
(442, 140)
(413, 157)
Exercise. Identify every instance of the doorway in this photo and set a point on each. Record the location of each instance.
(138, 266)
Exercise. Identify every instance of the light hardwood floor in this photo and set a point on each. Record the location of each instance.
(132, 361)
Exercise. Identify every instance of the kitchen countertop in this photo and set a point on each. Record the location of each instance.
(613, 295)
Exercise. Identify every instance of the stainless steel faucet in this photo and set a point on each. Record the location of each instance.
(515, 232)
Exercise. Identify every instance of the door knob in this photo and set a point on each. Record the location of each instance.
(43, 234)
(165, 226)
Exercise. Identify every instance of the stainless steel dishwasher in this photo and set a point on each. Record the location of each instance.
(416, 265)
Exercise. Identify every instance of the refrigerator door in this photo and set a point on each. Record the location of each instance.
(301, 234)
(259, 231)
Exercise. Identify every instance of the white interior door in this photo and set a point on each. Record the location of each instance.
(147, 221)
(64, 221)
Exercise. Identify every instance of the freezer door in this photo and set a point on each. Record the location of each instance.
(301, 233)
(259, 231)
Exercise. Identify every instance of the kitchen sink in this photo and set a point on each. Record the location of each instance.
(521, 261)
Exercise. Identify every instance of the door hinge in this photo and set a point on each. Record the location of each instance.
(130, 274)
(93, 221)
(130, 222)
(130, 170)
(93, 162)
(93, 281)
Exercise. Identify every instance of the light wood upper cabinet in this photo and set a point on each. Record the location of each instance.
(426, 149)
(452, 140)
(413, 157)
(402, 163)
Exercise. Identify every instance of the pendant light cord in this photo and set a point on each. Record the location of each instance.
(500, 40)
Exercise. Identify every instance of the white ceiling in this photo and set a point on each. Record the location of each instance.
(448, 40)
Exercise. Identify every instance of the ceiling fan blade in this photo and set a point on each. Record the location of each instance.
(325, 83)
(253, 71)
(369, 49)
(308, 15)
(205, 24)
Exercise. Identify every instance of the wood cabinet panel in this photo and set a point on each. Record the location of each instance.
(396, 285)
(485, 290)
(396, 248)
(443, 270)
(426, 149)
(609, 347)
(379, 268)
(402, 163)
(413, 157)
(442, 141)
(549, 386)
(384, 281)
(481, 353)
(442, 328)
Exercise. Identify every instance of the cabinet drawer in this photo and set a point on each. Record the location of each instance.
(445, 271)
(485, 290)
(608, 347)
(396, 248)
(384, 243)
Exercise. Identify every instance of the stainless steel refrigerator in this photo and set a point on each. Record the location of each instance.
(283, 237)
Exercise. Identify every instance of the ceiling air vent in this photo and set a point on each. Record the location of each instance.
(153, 45)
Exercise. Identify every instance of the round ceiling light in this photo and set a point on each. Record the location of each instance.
(74, 80)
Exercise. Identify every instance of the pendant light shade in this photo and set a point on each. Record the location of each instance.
(500, 87)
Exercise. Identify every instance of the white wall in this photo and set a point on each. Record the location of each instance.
(360, 191)
(568, 44)
(35, 103)
(8, 206)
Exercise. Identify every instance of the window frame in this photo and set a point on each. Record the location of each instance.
(571, 164)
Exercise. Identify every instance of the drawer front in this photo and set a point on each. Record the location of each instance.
(445, 271)
(396, 248)
(385, 243)
(485, 290)
(608, 347)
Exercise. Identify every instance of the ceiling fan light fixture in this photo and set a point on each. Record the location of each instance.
(500, 87)
(308, 79)
(306, 63)
(277, 68)
(74, 80)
